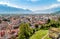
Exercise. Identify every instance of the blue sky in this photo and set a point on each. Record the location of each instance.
(32, 4)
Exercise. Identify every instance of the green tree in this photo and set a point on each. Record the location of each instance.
(59, 18)
(37, 27)
(0, 21)
(48, 21)
(52, 23)
(24, 31)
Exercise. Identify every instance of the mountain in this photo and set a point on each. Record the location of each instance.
(5, 9)
(48, 11)
(56, 13)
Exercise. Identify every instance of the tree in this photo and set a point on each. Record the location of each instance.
(6, 20)
(24, 31)
(37, 27)
(0, 21)
(59, 19)
(52, 23)
(48, 21)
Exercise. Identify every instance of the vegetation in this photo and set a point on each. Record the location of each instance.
(25, 31)
(39, 34)
(52, 23)
(0, 21)
(6, 20)
(37, 27)
(47, 37)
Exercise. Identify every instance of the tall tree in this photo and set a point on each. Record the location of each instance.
(24, 31)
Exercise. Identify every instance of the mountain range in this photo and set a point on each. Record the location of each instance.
(53, 10)
(13, 10)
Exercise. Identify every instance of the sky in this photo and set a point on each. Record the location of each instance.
(32, 4)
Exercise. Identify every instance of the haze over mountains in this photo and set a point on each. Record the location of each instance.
(13, 10)
(52, 10)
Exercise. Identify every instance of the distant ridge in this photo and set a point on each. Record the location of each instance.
(49, 11)
(57, 12)
(12, 10)
(5, 9)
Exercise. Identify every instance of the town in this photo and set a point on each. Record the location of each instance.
(9, 24)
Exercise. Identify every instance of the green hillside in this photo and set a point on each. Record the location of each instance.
(40, 34)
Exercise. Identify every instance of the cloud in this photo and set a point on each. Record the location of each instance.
(48, 7)
(53, 6)
(10, 4)
(31, 8)
(58, 0)
(7, 3)
(4, 2)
